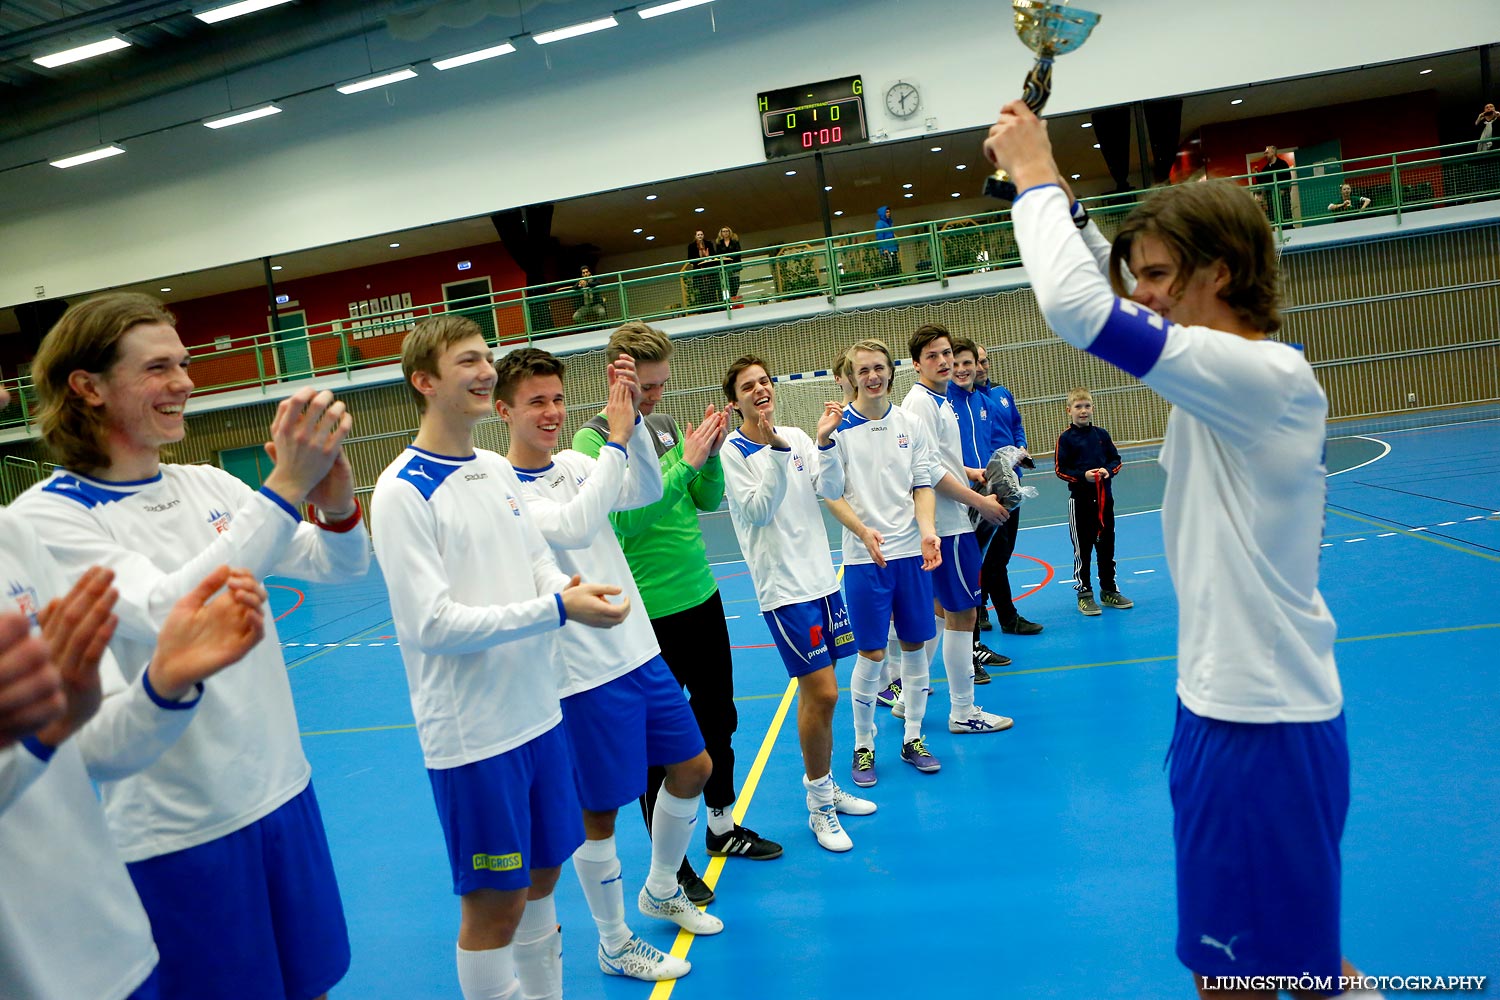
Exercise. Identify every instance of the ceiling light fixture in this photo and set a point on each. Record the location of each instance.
(937, 149)
(650, 197)
(394, 245)
(167, 289)
(1096, 145)
(670, 8)
(955, 194)
(216, 14)
(56, 59)
(906, 186)
(1074, 176)
(637, 231)
(839, 212)
(697, 210)
(1423, 72)
(240, 117)
(379, 80)
(275, 267)
(89, 156)
(827, 187)
(1237, 100)
(479, 55)
(1088, 124)
(574, 30)
(962, 166)
(650, 237)
(791, 173)
(908, 195)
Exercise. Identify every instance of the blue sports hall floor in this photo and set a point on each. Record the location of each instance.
(1038, 862)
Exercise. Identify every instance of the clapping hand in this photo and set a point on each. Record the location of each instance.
(31, 693)
(307, 436)
(203, 634)
(833, 415)
(585, 603)
(76, 628)
(623, 370)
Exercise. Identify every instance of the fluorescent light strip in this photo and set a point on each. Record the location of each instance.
(453, 62)
(89, 157)
(88, 51)
(574, 30)
(670, 8)
(240, 117)
(371, 82)
(217, 14)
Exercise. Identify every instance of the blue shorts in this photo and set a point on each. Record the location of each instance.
(148, 990)
(255, 913)
(1258, 814)
(955, 583)
(811, 635)
(622, 728)
(902, 589)
(508, 814)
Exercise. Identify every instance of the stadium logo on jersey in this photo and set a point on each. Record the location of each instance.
(219, 520)
(515, 508)
(159, 507)
(665, 437)
(472, 477)
(24, 595)
(902, 441)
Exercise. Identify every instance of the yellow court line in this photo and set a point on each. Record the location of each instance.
(1415, 534)
(685, 939)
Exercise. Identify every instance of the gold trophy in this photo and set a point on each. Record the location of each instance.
(1049, 30)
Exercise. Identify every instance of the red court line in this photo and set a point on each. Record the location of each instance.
(1050, 573)
(300, 598)
(758, 645)
(731, 575)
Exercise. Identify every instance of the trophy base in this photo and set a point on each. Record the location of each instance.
(999, 185)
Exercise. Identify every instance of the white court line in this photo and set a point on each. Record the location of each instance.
(1348, 540)
(1361, 465)
(1476, 517)
(1388, 534)
(1444, 524)
(1140, 571)
(1419, 529)
(1326, 545)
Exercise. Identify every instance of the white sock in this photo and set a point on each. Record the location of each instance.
(487, 975)
(538, 950)
(863, 686)
(958, 663)
(598, 868)
(914, 679)
(888, 666)
(721, 821)
(672, 825)
(819, 792)
(931, 645)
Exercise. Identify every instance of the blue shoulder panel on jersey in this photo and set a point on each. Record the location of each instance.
(87, 494)
(853, 418)
(425, 474)
(744, 444)
(528, 475)
(1132, 339)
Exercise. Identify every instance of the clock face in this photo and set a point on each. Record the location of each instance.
(902, 100)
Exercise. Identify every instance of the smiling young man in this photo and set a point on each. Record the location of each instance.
(234, 794)
(955, 582)
(1260, 762)
(664, 546)
(623, 710)
(773, 474)
(478, 601)
(886, 467)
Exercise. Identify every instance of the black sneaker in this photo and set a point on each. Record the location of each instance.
(1020, 627)
(696, 889)
(984, 656)
(981, 675)
(742, 842)
(984, 620)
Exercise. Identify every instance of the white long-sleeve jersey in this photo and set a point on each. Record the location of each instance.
(940, 424)
(161, 536)
(773, 504)
(571, 500)
(880, 463)
(477, 600)
(1244, 506)
(71, 924)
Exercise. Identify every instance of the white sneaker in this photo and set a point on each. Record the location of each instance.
(639, 960)
(824, 822)
(851, 805)
(898, 707)
(979, 721)
(680, 910)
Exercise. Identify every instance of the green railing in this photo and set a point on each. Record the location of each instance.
(934, 251)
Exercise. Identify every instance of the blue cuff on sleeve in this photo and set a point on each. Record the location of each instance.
(787, 449)
(1039, 187)
(562, 611)
(174, 706)
(612, 444)
(39, 750)
(276, 498)
(824, 447)
(1132, 338)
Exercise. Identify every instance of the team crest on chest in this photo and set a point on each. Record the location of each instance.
(515, 508)
(24, 596)
(902, 441)
(797, 461)
(984, 414)
(219, 519)
(1005, 403)
(665, 437)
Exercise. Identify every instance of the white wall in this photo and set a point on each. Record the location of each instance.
(643, 102)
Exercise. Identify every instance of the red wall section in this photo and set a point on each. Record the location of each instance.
(1364, 128)
(325, 299)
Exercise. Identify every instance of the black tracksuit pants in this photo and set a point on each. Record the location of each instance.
(1091, 521)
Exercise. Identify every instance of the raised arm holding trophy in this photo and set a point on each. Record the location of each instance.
(1049, 30)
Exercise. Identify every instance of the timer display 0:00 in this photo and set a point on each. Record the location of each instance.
(822, 137)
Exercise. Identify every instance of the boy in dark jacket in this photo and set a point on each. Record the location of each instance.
(1087, 460)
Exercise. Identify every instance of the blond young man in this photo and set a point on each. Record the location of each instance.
(482, 664)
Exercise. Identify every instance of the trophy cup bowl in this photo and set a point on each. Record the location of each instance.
(1049, 30)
